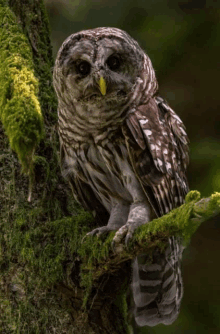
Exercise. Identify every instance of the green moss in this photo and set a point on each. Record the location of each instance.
(41, 250)
(93, 251)
(193, 195)
(215, 201)
(46, 248)
(35, 25)
(20, 110)
(178, 222)
(121, 303)
(207, 207)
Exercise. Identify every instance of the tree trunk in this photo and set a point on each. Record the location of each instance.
(39, 220)
(51, 282)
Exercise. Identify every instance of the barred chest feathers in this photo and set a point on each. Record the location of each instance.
(106, 167)
(89, 123)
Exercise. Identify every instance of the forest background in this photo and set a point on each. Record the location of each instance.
(182, 38)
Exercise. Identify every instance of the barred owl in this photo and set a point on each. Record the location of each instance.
(124, 150)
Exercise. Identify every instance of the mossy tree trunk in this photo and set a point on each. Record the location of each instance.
(41, 226)
(50, 282)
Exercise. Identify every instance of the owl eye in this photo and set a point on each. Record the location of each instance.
(113, 63)
(84, 68)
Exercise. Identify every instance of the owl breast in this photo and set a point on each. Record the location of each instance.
(107, 170)
(87, 122)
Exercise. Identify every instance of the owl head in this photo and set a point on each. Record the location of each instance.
(102, 66)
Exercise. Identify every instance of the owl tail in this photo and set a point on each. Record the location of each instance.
(158, 287)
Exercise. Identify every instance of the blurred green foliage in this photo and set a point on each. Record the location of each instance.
(182, 39)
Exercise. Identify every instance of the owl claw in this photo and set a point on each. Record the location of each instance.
(98, 231)
(128, 238)
(120, 234)
(117, 240)
(126, 231)
(113, 244)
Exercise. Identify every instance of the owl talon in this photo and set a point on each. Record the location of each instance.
(120, 234)
(126, 231)
(113, 245)
(128, 238)
(100, 231)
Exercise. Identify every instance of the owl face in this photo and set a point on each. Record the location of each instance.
(97, 68)
(100, 76)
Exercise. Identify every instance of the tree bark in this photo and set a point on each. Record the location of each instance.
(50, 281)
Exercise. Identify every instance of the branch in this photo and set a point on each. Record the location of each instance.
(99, 259)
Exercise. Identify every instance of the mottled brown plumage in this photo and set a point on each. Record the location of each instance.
(123, 149)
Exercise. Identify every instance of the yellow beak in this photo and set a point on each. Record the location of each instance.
(102, 85)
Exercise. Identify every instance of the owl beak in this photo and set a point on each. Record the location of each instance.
(102, 85)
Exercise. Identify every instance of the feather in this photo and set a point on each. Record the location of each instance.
(160, 156)
(158, 287)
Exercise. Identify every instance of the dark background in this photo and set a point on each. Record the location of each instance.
(182, 39)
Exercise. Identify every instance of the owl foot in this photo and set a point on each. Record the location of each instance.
(139, 215)
(100, 231)
(118, 218)
(126, 231)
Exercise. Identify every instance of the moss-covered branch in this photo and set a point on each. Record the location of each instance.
(52, 250)
(99, 258)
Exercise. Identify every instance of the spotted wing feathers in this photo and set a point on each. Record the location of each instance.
(160, 156)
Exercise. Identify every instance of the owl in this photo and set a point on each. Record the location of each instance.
(124, 151)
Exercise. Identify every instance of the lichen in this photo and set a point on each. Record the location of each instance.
(20, 110)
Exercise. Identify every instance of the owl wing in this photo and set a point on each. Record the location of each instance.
(158, 149)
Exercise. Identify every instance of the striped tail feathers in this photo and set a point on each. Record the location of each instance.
(157, 287)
